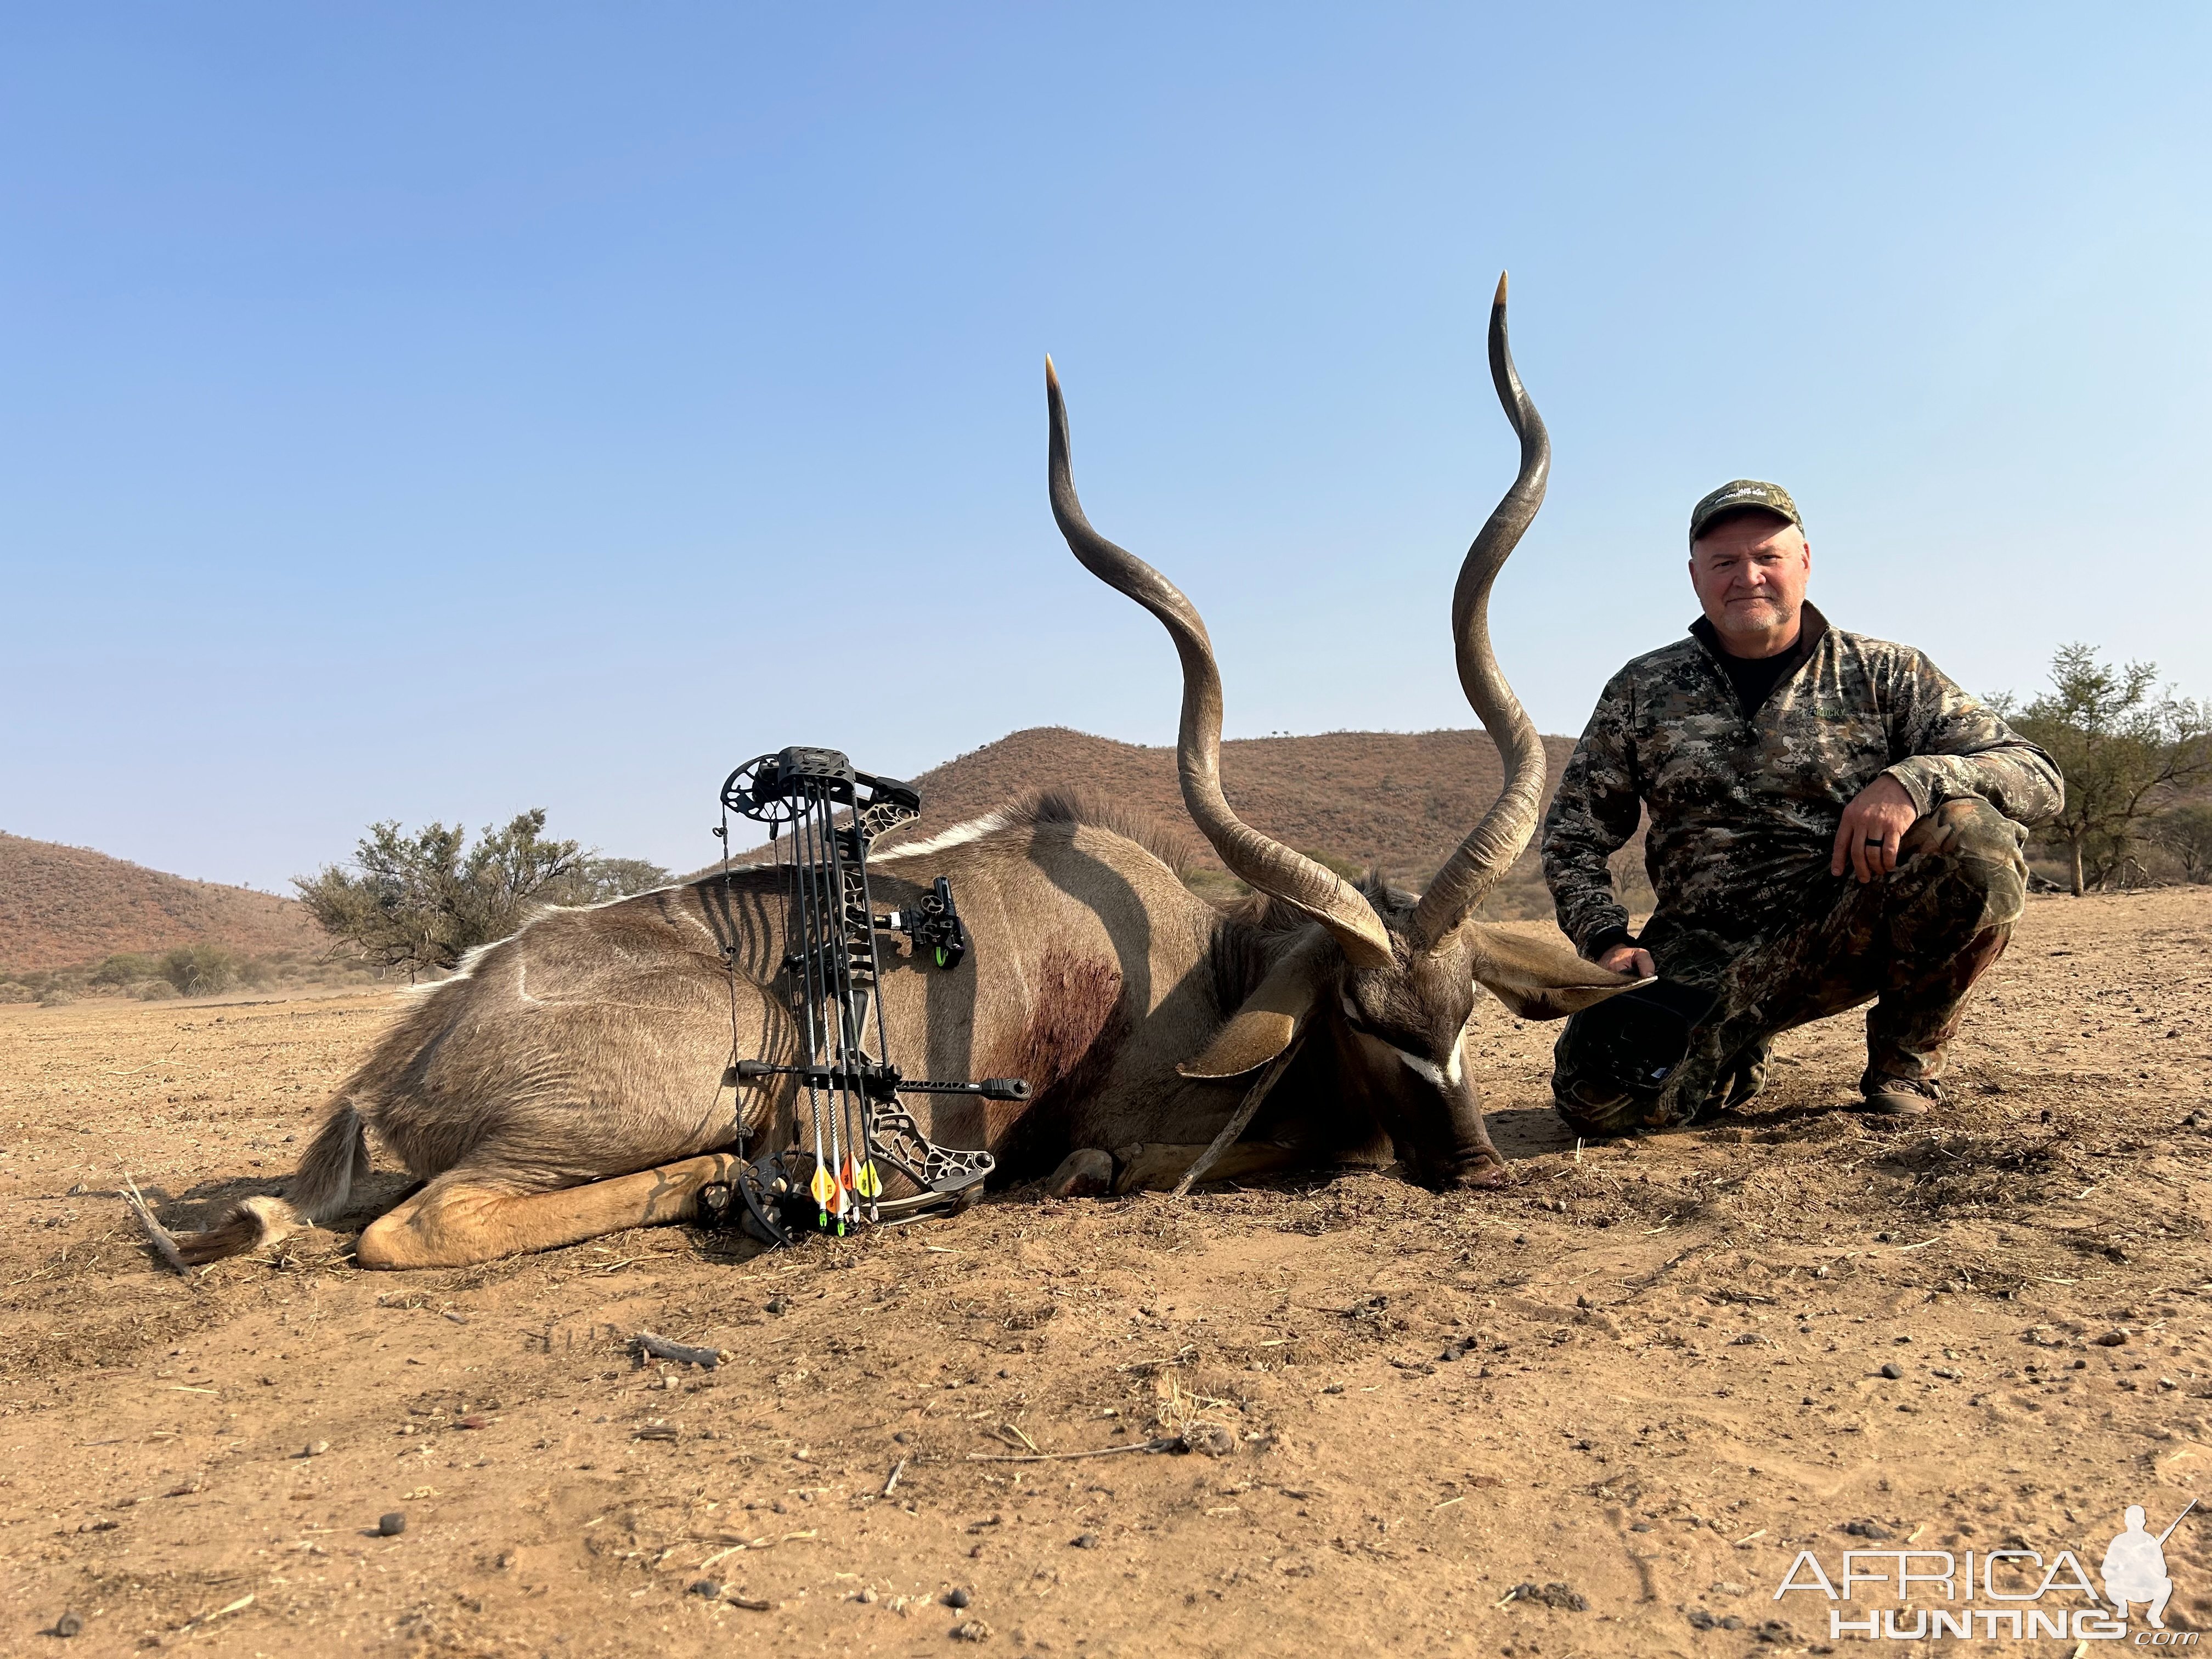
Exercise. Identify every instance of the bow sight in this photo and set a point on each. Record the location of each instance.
(845, 1080)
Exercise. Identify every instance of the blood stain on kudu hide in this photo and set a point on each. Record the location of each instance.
(1076, 1025)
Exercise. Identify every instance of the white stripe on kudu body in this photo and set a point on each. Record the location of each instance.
(959, 835)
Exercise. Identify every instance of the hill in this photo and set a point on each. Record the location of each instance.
(60, 905)
(1394, 800)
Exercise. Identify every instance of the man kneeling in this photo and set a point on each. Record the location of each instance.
(1831, 820)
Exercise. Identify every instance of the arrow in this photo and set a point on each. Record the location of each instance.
(824, 1183)
(839, 1163)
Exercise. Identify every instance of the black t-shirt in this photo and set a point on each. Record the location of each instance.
(1755, 677)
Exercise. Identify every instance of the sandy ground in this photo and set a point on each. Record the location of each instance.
(1648, 1374)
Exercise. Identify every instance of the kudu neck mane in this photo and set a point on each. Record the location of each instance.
(1071, 807)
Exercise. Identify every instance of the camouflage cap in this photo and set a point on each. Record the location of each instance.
(1739, 493)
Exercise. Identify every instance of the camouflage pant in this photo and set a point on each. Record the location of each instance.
(1913, 941)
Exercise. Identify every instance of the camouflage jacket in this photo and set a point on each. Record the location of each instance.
(1743, 808)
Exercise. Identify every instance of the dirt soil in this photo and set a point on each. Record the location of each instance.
(1638, 1382)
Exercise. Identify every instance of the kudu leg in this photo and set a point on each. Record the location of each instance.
(451, 1223)
(1156, 1167)
(1481, 1166)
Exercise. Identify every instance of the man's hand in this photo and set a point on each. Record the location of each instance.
(1628, 959)
(1874, 823)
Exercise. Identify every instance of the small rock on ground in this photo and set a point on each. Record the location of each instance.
(1210, 1439)
(1551, 1595)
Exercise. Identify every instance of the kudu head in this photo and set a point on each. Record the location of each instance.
(1396, 981)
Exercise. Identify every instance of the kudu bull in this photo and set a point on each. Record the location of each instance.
(571, 1081)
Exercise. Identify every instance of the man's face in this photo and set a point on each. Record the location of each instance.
(1750, 573)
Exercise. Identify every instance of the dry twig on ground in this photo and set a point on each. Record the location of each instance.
(659, 1347)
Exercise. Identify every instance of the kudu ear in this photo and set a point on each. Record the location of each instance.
(1539, 978)
(1272, 1015)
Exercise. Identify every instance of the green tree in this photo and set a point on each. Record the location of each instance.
(421, 901)
(596, 880)
(2128, 748)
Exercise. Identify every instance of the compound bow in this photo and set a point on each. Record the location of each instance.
(829, 1174)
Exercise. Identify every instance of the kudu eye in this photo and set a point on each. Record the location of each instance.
(1363, 1022)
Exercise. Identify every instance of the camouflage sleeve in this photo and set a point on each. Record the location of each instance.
(1956, 745)
(1592, 817)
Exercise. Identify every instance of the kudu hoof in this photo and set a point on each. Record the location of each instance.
(1487, 1176)
(1083, 1173)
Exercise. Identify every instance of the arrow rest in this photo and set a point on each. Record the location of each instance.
(848, 1126)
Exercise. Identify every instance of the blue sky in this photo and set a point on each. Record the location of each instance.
(425, 411)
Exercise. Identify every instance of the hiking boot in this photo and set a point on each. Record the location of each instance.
(1597, 1111)
(1900, 1096)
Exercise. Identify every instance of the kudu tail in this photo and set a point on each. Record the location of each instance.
(319, 1189)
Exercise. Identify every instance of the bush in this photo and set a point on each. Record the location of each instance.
(596, 880)
(156, 990)
(200, 970)
(2186, 834)
(422, 901)
(125, 969)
